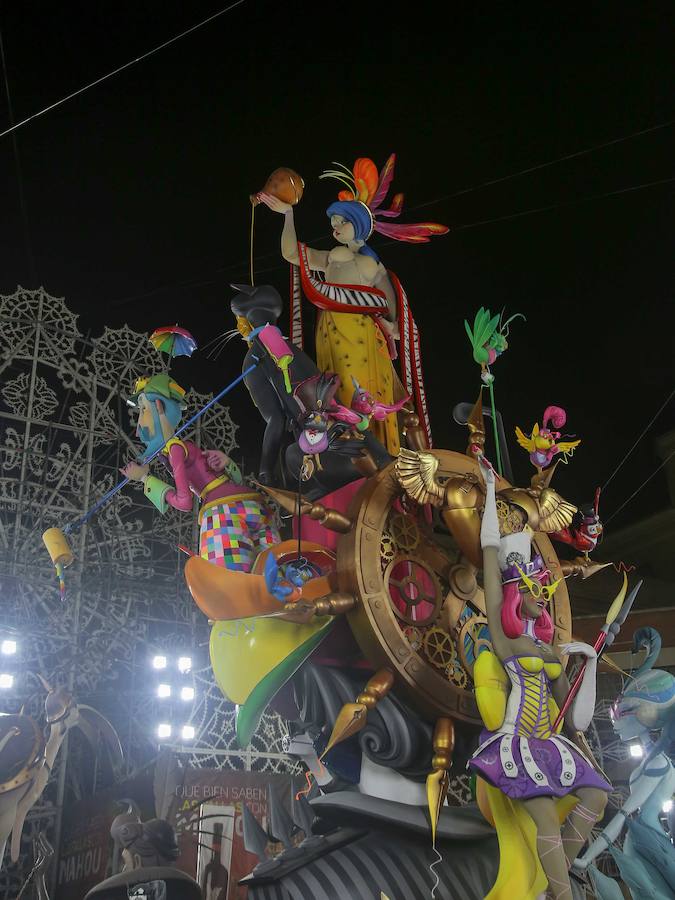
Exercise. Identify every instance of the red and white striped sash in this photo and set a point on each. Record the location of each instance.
(348, 298)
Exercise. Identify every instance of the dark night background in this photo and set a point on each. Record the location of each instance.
(136, 192)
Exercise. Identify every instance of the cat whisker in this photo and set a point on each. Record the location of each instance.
(218, 336)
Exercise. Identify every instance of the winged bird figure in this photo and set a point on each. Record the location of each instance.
(544, 444)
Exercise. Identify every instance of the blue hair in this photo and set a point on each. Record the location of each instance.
(360, 218)
(173, 412)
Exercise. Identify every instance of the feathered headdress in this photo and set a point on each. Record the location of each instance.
(364, 185)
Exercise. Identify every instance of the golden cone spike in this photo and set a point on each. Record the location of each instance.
(438, 783)
(329, 518)
(438, 780)
(352, 716)
(350, 720)
(580, 565)
(476, 426)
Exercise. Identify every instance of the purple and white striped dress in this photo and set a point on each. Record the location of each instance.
(523, 758)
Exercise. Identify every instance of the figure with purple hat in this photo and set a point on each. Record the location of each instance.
(531, 775)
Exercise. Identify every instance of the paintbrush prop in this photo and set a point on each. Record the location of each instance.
(614, 619)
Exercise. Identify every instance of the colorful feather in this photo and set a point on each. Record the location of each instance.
(386, 177)
(394, 210)
(365, 185)
(366, 179)
(418, 233)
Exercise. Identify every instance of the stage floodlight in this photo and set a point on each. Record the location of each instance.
(6, 680)
(8, 647)
(187, 693)
(188, 732)
(159, 662)
(184, 664)
(164, 730)
(636, 751)
(667, 806)
(163, 690)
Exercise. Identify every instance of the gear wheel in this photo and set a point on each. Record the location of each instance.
(439, 648)
(457, 675)
(404, 531)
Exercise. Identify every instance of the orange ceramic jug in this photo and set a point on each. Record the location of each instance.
(284, 184)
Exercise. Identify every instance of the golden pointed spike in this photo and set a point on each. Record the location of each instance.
(352, 716)
(438, 783)
(332, 519)
(581, 566)
(476, 425)
(350, 720)
(543, 477)
(287, 500)
(438, 780)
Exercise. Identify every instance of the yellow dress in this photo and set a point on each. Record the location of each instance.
(351, 344)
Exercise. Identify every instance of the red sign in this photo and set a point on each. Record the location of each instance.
(207, 814)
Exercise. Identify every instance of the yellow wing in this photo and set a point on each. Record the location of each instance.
(527, 443)
(416, 474)
(555, 511)
(567, 446)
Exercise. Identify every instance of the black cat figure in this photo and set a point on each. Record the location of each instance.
(254, 308)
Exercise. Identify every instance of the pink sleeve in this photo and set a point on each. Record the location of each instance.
(181, 497)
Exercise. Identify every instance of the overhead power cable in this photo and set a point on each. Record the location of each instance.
(119, 69)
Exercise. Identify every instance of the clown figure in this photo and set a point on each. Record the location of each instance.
(234, 523)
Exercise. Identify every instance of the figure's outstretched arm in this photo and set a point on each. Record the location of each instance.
(318, 259)
(581, 711)
(492, 580)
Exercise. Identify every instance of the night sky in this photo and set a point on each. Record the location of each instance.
(136, 192)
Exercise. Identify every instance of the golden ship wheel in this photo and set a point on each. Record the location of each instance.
(416, 605)
(420, 613)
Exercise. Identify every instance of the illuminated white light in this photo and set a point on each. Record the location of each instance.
(667, 806)
(184, 664)
(187, 693)
(163, 690)
(159, 662)
(188, 732)
(636, 751)
(164, 730)
(8, 647)
(6, 681)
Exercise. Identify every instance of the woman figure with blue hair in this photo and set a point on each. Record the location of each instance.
(363, 307)
(647, 861)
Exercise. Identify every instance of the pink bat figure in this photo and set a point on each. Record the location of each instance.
(365, 404)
